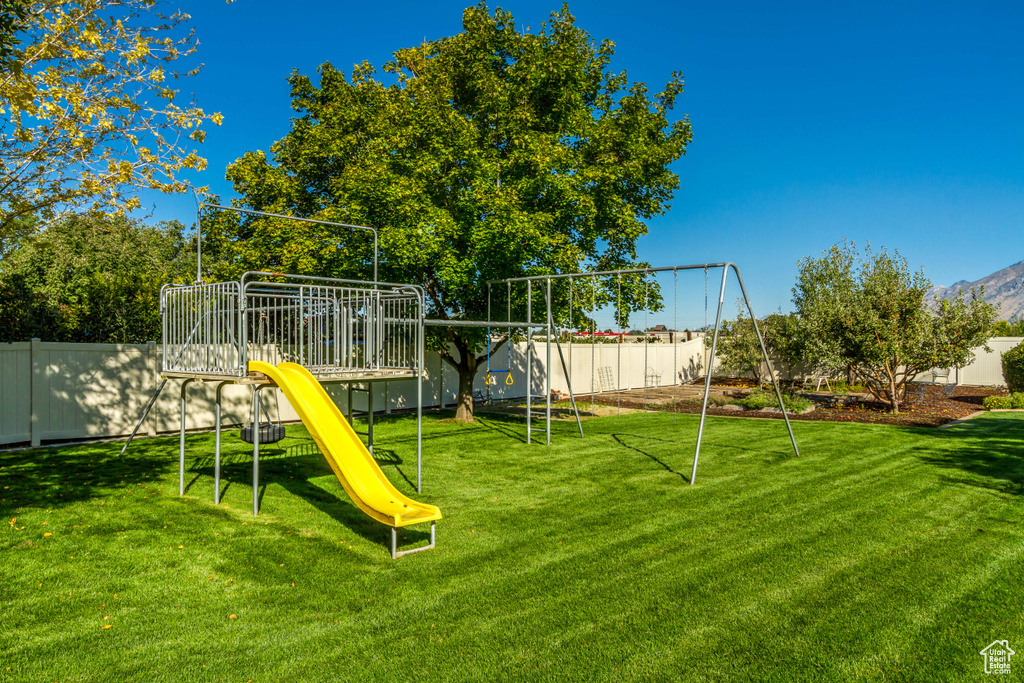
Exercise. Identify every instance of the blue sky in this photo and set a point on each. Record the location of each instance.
(897, 123)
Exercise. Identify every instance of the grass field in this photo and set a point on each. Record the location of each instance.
(883, 553)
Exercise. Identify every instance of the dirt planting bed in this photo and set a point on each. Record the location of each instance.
(934, 409)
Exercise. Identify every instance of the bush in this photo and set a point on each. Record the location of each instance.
(1015, 400)
(1013, 368)
(840, 386)
(763, 399)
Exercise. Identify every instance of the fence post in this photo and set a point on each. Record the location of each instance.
(154, 366)
(440, 382)
(36, 388)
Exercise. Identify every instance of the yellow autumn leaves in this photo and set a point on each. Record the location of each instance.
(87, 74)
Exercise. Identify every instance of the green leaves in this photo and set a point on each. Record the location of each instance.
(740, 351)
(869, 313)
(89, 117)
(91, 279)
(485, 155)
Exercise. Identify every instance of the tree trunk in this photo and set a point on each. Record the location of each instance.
(466, 364)
(464, 405)
(895, 399)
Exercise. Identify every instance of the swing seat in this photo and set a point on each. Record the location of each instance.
(269, 433)
(493, 381)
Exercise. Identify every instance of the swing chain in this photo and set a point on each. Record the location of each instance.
(705, 297)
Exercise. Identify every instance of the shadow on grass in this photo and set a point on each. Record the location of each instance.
(621, 439)
(294, 467)
(988, 452)
(52, 478)
(512, 426)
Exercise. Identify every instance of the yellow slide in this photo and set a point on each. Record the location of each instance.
(352, 463)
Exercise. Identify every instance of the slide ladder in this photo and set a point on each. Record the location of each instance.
(345, 452)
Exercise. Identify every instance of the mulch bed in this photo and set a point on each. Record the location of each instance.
(934, 409)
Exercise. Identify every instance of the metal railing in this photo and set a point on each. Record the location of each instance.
(331, 327)
(201, 329)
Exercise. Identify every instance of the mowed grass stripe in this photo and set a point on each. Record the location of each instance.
(589, 560)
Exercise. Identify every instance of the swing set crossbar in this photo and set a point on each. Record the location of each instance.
(724, 265)
(477, 323)
(625, 271)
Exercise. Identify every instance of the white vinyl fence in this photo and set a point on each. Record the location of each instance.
(53, 391)
(986, 369)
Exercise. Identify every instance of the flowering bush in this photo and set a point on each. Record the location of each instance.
(1015, 400)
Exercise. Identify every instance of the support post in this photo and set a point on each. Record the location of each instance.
(707, 378)
(181, 439)
(419, 405)
(547, 369)
(369, 417)
(395, 554)
(771, 373)
(256, 452)
(529, 358)
(568, 383)
(216, 445)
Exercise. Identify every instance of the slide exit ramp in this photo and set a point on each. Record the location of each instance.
(348, 457)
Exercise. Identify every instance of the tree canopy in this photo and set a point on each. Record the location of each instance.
(493, 153)
(869, 313)
(1014, 327)
(90, 109)
(91, 279)
(12, 14)
(739, 350)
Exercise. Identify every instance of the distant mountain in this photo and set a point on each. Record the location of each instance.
(1004, 288)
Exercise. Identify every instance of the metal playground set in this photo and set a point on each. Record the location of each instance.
(299, 333)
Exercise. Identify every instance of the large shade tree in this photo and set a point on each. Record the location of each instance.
(91, 108)
(493, 153)
(92, 278)
(868, 312)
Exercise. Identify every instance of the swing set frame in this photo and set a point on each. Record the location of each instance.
(549, 326)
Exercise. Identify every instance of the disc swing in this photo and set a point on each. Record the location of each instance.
(269, 432)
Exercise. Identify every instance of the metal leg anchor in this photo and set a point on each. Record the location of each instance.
(395, 554)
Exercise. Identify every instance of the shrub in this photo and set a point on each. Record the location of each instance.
(764, 399)
(1013, 368)
(1015, 400)
(841, 386)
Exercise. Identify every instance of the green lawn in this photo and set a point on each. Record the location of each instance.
(882, 553)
